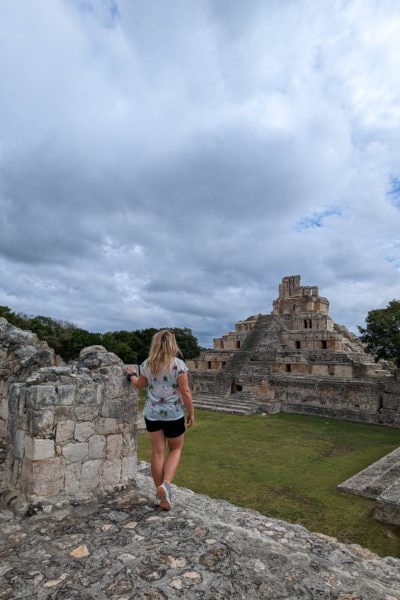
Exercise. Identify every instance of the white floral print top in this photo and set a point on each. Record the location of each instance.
(164, 402)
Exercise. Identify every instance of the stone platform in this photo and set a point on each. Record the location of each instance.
(380, 481)
(122, 547)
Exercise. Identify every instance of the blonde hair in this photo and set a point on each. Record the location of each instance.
(162, 350)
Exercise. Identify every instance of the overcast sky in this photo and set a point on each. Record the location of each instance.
(166, 163)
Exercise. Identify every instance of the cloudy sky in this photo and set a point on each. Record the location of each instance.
(166, 163)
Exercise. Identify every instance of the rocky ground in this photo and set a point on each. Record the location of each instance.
(123, 547)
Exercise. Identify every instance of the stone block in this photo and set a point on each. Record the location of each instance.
(388, 416)
(3, 430)
(86, 413)
(97, 446)
(14, 398)
(111, 472)
(26, 475)
(72, 478)
(40, 396)
(390, 401)
(74, 452)
(90, 474)
(48, 477)
(15, 472)
(129, 444)
(19, 448)
(83, 430)
(393, 387)
(3, 408)
(123, 409)
(87, 395)
(343, 370)
(42, 422)
(105, 426)
(128, 468)
(114, 446)
(62, 413)
(37, 449)
(320, 370)
(65, 431)
(66, 395)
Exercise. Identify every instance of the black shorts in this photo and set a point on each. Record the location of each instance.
(171, 429)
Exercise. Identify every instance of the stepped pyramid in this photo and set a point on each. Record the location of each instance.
(295, 359)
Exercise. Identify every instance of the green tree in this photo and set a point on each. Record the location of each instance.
(73, 339)
(67, 340)
(46, 329)
(187, 342)
(382, 332)
(18, 320)
(122, 343)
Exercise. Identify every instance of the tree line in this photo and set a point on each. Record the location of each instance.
(381, 336)
(67, 340)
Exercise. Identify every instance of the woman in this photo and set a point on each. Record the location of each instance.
(166, 379)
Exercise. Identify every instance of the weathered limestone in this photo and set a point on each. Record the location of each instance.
(69, 430)
(380, 481)
(121, 546)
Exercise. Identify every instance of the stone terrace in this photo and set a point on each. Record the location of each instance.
(107, 540)
(122, 547)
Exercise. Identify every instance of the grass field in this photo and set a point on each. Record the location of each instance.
(287, 467)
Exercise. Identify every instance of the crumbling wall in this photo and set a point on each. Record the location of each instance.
(364, 400)
(69, 430)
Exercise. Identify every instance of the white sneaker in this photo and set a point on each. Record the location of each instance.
(164, 494)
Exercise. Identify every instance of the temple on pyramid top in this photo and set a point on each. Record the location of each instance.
(294, 298)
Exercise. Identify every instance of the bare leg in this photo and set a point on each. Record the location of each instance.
(171, 463)
(157, 439)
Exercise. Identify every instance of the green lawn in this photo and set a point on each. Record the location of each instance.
(287, 467)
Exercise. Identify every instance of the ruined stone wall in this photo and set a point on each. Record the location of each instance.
(209, 360)
(69, 430)
(365, 400)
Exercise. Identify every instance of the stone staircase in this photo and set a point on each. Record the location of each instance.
(236, 404)
(239, 361)
(239, 403)
(381, 482)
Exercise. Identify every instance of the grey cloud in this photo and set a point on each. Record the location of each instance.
(170, 166)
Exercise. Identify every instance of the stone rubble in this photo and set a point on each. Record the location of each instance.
(122, 547)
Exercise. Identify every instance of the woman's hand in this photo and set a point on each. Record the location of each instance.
(190, 420)
(139, 381)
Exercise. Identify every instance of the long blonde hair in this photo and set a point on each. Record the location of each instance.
(162, 350)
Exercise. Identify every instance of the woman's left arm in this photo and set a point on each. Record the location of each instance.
(139, 382)
(186, 395)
